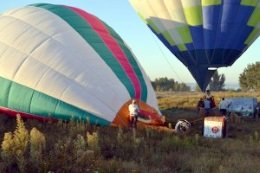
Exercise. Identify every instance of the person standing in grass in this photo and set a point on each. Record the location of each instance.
(223, 107)
(200, 105)
(207, 106)
(211, 99)
(133, 113)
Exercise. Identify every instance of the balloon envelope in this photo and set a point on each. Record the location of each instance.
(203, 33)
(61, 62)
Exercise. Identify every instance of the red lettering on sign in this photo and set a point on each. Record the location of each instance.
(215, 129)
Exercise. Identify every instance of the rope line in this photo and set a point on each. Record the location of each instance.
(165, 57)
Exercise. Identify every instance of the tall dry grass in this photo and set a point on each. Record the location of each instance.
(80, 147)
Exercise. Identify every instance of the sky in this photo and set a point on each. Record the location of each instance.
(154, 57)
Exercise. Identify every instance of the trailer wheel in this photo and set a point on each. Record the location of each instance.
(182, 127)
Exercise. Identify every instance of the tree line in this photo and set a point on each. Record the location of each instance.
(165, 84)
(249, 79)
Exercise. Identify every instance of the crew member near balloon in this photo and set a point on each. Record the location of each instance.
(207, 105)
(133, 113)
(200, 105)
(211, 99)
(223, 105)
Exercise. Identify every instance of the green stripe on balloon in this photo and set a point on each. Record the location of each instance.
(24, 99)
(92, 38)
(185, 34)
(249, 2)
(210, 2)
(253, 35)
(255, 17)
(168, 37)
(193, 15)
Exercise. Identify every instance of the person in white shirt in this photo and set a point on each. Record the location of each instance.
(223, 105)
(133, 112)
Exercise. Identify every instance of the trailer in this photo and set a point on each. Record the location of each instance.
(244, 106)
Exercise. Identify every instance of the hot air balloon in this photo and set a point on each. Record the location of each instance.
(203, 34)
(60, 62)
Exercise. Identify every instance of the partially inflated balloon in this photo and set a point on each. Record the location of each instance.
(203, 33)
(61, 62)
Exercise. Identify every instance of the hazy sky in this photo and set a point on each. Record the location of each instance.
(153, 56)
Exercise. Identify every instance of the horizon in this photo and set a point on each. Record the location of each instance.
(227, 86)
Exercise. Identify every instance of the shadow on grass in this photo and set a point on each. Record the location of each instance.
(173, 114)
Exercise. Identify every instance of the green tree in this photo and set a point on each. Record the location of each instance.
(165, 84)
(250, 77)
(217, 82)
(183, 87)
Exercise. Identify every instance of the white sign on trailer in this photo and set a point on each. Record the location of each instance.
(213, 129)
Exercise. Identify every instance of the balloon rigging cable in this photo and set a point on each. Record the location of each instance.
(165, 57)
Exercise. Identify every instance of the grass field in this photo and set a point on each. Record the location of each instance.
(30, 146)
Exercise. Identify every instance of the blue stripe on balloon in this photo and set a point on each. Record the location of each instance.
(202, 57)
(190, 46)
(211, 14)
(231, 2)
(220, 57)
(231, 57)
(187, 56)
(240, 29)
(199, 55)
(224, 57)
(229, 13)
(225, 23)
(244, 14)
(237, 38)
(197, 72)
(230, 30)
(197, 36)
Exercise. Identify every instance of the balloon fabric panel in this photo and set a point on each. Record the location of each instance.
(203, 34)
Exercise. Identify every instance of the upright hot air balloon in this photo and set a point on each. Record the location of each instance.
(203, 34)
(61, 62)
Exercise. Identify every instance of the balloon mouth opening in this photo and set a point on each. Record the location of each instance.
(212, 68)
(148, 115)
